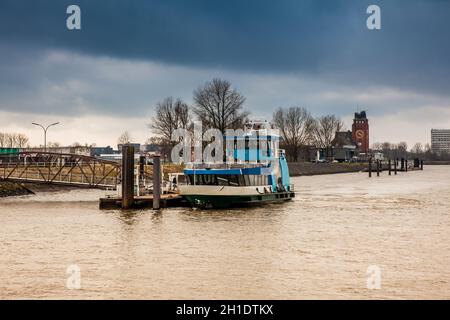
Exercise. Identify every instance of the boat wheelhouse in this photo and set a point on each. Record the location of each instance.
(255, 172)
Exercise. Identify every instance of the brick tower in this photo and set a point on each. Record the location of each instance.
(360, 131)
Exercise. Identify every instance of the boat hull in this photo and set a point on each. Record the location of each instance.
(227, 201)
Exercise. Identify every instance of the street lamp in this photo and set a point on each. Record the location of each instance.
(45, 132)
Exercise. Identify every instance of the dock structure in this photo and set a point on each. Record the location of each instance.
(127, 176)
(156, 182)
(59, 169)
(392, 165)
(128, 198)
(145, 202)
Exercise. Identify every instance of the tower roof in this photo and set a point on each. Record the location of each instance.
(360, 115)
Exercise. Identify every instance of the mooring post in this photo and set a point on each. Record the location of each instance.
(378, 168)
(406, 164)
(390, 169)
(395, 166)
(370, 167)
(127, 176)
(156, 182)
(402, 164)
(421, 164)
(142, 166)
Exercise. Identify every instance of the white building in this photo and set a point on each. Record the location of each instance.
(440, 140)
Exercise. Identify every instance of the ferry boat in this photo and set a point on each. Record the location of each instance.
(257, 175)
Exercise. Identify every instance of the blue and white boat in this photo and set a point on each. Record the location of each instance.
(258, 174)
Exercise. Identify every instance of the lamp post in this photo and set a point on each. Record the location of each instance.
(45, 132)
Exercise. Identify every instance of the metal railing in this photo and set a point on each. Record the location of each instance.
(56, 168)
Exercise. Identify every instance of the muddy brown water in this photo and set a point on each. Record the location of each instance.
(319, 245)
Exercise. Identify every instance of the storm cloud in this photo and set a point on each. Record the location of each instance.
(319, 54)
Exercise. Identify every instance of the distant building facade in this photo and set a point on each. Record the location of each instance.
(137, 147)
(79, 150)
(97, 151)
(360, 131)
(344, 147)
(440, 141)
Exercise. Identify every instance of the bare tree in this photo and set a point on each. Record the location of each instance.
(3, 139)
(324, 131)
(53, 145)
(296, 127)
(124, 138)
(402, 149)
(417, 148)
(219, 106)
(170, 115)
(377, 146)
(21, 140)
(13, 140)
(160, 145)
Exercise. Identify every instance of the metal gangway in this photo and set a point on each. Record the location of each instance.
(60, 168)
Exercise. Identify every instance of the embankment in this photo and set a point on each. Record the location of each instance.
(310, 169)
(13, 189)
(435, 163)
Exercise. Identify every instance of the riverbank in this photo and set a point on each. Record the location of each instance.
(8, 189)
(311, 169)
(436, 163)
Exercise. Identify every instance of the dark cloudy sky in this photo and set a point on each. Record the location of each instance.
(107, 77)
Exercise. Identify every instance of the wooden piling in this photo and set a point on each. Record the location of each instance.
(127, 176)
(156, 182)
(406, 165)
(141, 166)
(395, 166)
(390, 169)
(378, 168)
(370, 167)
(421, 164)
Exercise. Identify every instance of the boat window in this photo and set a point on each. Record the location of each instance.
(246, 180)
(209, 179)
(228, 180)
(222, 180)
(234, 180)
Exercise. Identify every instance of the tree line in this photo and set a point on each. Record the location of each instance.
(400, 150)
(13, 140)
(218, 105)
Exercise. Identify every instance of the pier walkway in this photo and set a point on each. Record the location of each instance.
(60, 168)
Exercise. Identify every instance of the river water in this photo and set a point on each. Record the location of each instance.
(319, 245)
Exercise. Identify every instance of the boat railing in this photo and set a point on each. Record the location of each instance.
(227, 165)
(280, 153)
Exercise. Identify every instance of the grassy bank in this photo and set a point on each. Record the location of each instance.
(8, 189)
(310, 169)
